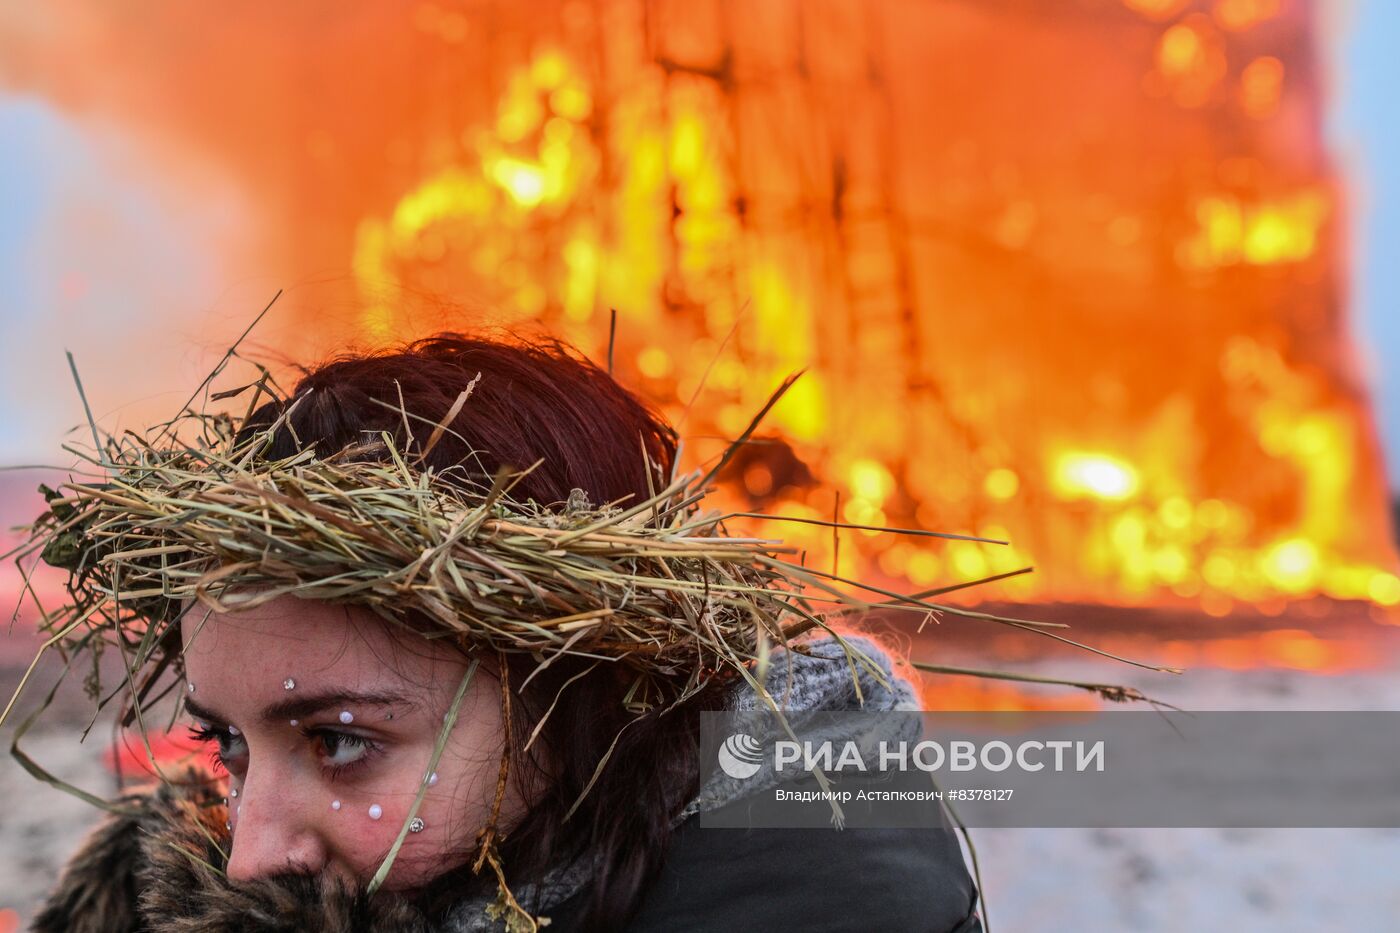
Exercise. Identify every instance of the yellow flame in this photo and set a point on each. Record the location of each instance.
(525, 211)
(521, 180)
(1291, 565)
(1231, 232)
(1384, 588)
(1180, 51)
(1191, 60)
(1093, 475)
(871, 480)
(1001, 484)
(654, 362)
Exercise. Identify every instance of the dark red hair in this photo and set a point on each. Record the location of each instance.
(530, 400)
(534, 399)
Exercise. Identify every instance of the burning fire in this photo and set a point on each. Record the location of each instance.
(573, 200)
(1073, 283)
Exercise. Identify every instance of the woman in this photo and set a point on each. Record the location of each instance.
(549, 794)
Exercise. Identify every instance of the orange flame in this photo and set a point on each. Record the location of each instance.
(1139, 520)
(1066, 282)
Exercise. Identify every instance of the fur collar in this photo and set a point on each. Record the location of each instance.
(150, 870)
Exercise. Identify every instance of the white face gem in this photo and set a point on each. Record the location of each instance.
(346, 716)
(335, 804)
(415, 825)
(375, 811)
(289, 684)
(432, 779)
(233, 730)
(233, 793)
(228, 826)
(191, 687)
(295, 723)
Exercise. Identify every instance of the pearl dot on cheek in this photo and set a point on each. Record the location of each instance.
(335, 804)
(346, 716)
(191, 686)
(432, 779)
(233, 793)
(289, 684)
(375, 811)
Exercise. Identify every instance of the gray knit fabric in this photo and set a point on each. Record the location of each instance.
(818, 681)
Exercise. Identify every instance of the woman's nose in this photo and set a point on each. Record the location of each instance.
(272, 832)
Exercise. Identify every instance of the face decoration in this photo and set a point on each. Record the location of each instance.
(342, 753)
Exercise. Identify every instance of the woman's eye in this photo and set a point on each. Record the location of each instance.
(230, 748)
(341, 749)
(335, 751)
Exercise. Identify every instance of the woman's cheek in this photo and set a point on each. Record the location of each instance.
(364, 827)
(419, 860)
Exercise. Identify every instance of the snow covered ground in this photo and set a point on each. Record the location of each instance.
(1168, 880)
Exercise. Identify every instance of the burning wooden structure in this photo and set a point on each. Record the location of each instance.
(1068, 274)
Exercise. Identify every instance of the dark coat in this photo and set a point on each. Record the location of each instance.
(151, 871)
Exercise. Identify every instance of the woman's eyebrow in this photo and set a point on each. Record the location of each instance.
(199, 712)
(302, 707)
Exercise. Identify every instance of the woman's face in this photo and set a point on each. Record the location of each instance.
(326, 720)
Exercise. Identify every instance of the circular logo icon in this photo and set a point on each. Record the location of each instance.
(740, 756)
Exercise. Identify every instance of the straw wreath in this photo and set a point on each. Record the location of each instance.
(189, 514)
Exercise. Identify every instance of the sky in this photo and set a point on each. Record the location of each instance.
(1365, 132)
(44, 159)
